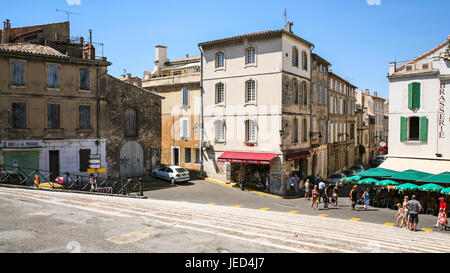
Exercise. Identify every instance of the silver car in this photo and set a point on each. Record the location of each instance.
(172, 173)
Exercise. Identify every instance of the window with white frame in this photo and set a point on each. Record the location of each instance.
(250, 56)
(220, 131)
(250, 130)
(220, 60)
(220, 93)
(250, 91)
(184, 128)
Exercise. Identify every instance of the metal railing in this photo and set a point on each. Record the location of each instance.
(68, 181)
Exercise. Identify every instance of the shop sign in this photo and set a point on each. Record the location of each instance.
(244, 161)
(298, 155)
(22, 144)
(441, 112)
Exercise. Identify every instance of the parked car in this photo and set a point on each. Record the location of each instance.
(380, 159)
(357, 168)
(172, 173)
(335, 178)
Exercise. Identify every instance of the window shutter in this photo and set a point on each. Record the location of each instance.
(423, 129)
(403, 129)
(185, 93)
(416, 95)
(410, 95)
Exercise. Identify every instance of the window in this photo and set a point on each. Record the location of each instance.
(294, 56)
(19, 115)
(184, 128)
(52, 76)
(185, 96)
(315, 65)
(295, 92)
(304, 130)
(250, 131)
(18, 73)
(53, 116)
(305, 93)
(84, 159)
(130, 123)
(352, 131)
(85, 79)
(304, 60)
(250, 91)
(328, 131)
(220, 131)
(320, 94)
(250, 56)
(414, 129)
(197, 155)
(220, 60)
(414, 95)
(314, 95)
(325, 94)
(220, 93)
(187, 155)
(84, 116)
(294, 136)
(314, 127)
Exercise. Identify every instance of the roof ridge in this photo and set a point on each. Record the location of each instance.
(424, 55)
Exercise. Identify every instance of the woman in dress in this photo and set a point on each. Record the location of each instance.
(315, 197)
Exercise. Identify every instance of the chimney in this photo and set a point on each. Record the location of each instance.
(6, 32)
(160, 58)
(375, 94)
(367, 92)
(392, 67)
(288, 27)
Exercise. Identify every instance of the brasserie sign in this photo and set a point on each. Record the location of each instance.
(441, 111)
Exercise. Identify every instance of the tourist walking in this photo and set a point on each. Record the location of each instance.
(307, 189)
(366, 198)
(353, 197)
(414, 208)
(296, 181)
(442, 218)
(325, 197)
(442, 205)
(321, 190)
(406, 212)
(334, 199)
(315, 197)
(399, 216)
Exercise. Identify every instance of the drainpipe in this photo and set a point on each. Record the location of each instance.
(201, 111)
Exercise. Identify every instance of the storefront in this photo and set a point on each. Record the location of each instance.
(251, 168)
(299, 163)
(21, 156)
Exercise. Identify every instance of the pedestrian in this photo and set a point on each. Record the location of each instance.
(334, 199)
(353, 197)
(442, 205)
(315, 197)
(366, 198)
(68, 179)
(296, 181)
(267, 183)
(307, 189)
(325, 199)
(321, 190)
(290, 183)
(399, 216)
(91, 181)
(406, 211)
(414, 208)
(442, 219)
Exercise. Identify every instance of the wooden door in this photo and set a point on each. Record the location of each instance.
(131, 160)
(54, 165)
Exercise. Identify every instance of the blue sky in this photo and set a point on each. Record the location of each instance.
(358, 37)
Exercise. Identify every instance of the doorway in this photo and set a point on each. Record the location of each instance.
(176, 156)
(54, 165)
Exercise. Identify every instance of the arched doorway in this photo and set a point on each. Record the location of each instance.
(131, 160)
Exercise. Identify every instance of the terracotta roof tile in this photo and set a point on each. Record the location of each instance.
(423, 55)
(32, 49)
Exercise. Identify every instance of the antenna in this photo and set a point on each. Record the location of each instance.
(285, 16)
(67, 13)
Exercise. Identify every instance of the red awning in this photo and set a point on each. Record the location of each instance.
(247, 158)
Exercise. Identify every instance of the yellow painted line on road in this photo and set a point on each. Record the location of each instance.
(185, 201)
(131, 237)
(322, 215)
(355, 219)
(427, 229)
(211, 204)
(264, 208)
(293, 211)
(42, 213)
(389, 224)
(237, 206)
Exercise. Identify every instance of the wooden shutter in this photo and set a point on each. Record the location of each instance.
(423, 129)
(85, 116)
(19, 115)
(410, 95)
(403, 129)
(185, 93)
(18, 73)
(53, 113)
(416, 95)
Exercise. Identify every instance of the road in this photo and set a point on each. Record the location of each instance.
(46, 221)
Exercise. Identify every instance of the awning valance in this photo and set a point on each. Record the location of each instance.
(246, 158)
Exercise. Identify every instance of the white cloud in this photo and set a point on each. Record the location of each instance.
(370, 2)
(78, 2)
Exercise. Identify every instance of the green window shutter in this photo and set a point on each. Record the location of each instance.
(423, 129)
(410, 95)
(403, 129)
(416, 95)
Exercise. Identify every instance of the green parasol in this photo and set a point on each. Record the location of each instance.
(367, 181)
(386, 182)
(431, 187)
(446, 191)
(407, 187)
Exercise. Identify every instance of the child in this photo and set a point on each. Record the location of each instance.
(315, 197)
(442, 219)
(399, 216)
